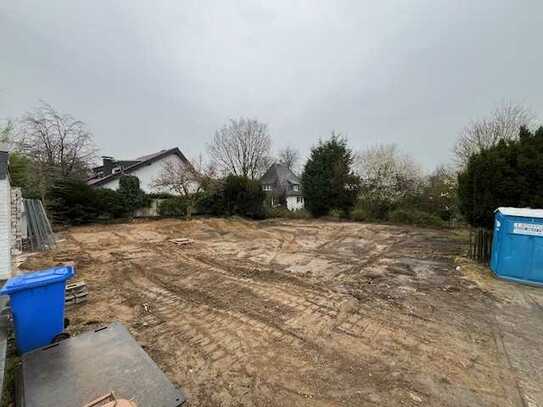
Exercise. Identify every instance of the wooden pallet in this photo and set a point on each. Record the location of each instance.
(76, 293)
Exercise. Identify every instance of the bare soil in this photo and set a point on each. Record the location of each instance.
(311, 313)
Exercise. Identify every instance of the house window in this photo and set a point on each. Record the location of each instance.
(267, 188)
(296, 187)
(299, 199)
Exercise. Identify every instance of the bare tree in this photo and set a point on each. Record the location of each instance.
(57, 144)
(178, 178)
(56, 140)
(184, 179)
(290, 157)
(502, 124)
(242, 148)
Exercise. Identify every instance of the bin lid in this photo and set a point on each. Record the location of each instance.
(39, 278)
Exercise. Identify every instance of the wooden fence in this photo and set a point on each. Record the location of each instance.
(480, 245)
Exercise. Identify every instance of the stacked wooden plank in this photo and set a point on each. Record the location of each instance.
(76, 293)
(182, 241)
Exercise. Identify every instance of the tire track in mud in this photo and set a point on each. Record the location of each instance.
(218, 321)
(279, 298)
(312, 308)
(261, 279)
(216, 339)
(223, 341)
(228, 340)
(172, 301)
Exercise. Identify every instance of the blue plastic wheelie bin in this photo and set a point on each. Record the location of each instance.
(37, 305)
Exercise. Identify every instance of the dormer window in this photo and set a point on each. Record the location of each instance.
(295, 187)
(267, 187)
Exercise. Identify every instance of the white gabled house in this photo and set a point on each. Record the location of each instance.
(283, 187)
(146, 168)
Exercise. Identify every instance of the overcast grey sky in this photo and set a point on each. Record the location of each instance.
(146, 75)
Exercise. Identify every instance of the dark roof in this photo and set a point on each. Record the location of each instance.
(279, 173)
(281, 178)
(137, 163)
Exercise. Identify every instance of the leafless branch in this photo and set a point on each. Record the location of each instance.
(56, 141)
(503, 124)
(290, 157)
(57, 144)
(184, 178)
(179, 178)
(241, 148)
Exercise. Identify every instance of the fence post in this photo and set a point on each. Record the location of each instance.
(480, 245)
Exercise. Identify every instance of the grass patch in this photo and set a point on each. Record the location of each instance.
(415, 217)
(13, 363)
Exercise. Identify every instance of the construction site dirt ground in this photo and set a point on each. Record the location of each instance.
(311, 313)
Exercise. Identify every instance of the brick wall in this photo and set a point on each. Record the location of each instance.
(5, 229)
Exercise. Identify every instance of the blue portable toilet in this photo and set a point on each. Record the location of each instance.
(517, 246)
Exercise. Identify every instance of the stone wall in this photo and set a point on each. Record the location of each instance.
(150, 212)
(17, 211)
(5, 229)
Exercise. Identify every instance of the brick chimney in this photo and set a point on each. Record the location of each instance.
(4, 157)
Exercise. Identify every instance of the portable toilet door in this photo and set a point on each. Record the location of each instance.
(496, 242)
(517, 248)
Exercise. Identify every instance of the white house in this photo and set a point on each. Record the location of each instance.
(5, 215)
(146, 168)
(283, 187)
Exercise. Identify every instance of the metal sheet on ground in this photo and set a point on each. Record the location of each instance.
(85, 367)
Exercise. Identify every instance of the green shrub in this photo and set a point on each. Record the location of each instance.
(282, 212)
(377, 209)
(507, 174)
(160, 195)
(360, 214)
(414, 217)
(337, 213)
(328, 181)
(243, 196)
(235, 195)
(109, 204)
(73, 202)
(211, 203)
(175, 207)
(129, 189)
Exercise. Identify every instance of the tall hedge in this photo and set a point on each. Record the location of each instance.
(129, 189)
(73, 202)
(243, 196)
(328, 181)
(235, 195)
(508, 174)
